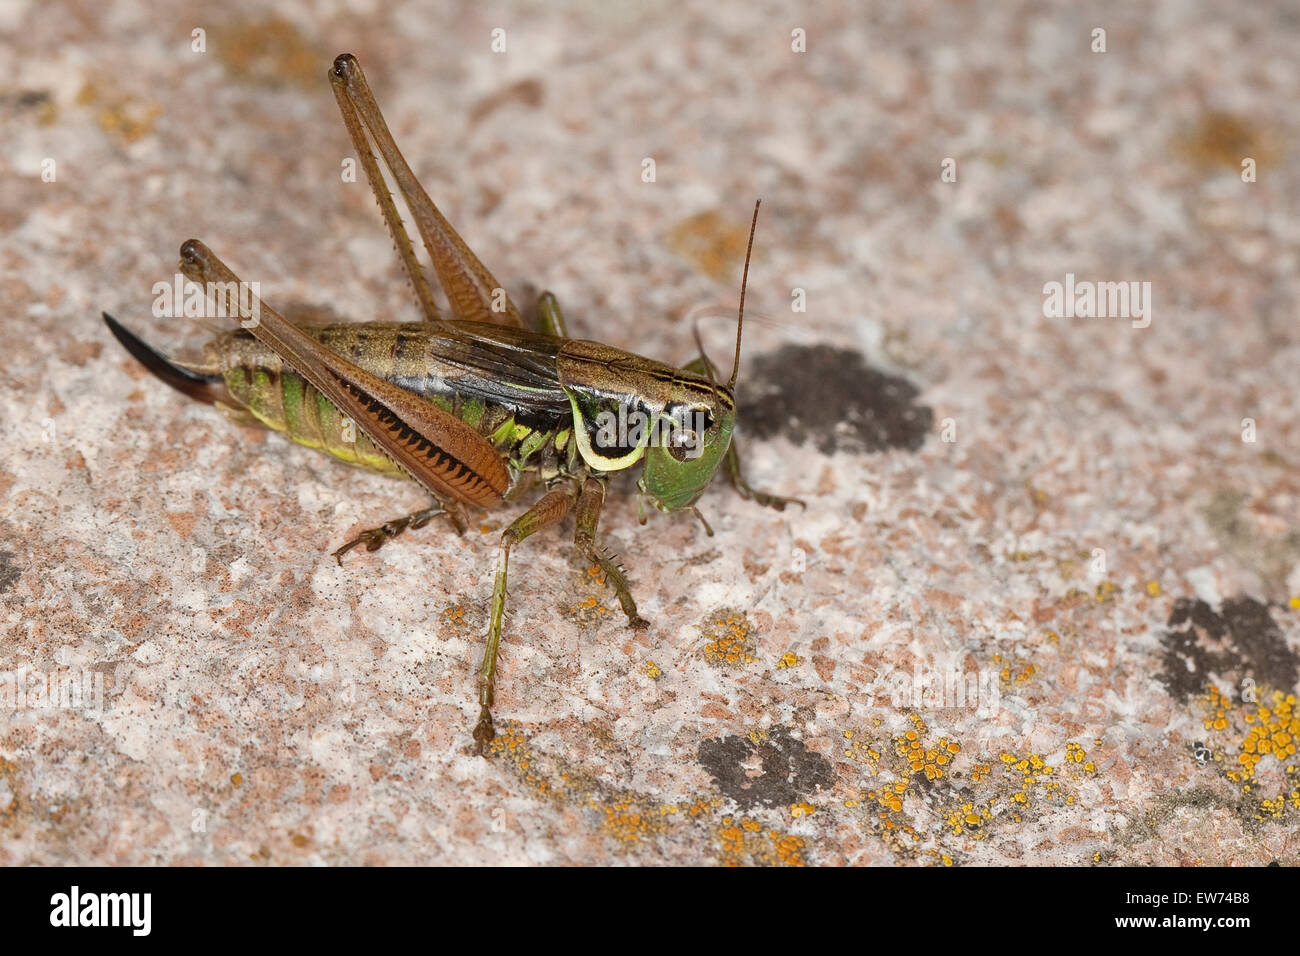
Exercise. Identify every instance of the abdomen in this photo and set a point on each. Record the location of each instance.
(408, 355)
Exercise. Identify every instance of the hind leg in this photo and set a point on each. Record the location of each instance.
(472, 291)
(376, 538)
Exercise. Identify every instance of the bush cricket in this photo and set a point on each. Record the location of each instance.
(470, 405)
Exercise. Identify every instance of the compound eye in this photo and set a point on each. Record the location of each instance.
(684, 444)
(692, 418)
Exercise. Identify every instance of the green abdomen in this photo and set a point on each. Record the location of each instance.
(258, 381)
(283, 400)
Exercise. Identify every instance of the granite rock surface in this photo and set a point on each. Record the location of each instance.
(1043, 605)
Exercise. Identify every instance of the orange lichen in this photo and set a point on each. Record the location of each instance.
(628, 822)
(1220, 704)
(787, 660)
(1266, 753)
(969, 820)
(8, 769)
(710, 240)
(587, 611)
(745, 842)
(1013, 673)
(453, 615)
(118, 113)
(920, 758)
(1075, 754)
(268, 50)
(1222, 140)
(1273, 733)
(729, 640)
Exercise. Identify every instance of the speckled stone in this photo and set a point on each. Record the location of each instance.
(1043, 605)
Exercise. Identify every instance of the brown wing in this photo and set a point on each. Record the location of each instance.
(437, 449)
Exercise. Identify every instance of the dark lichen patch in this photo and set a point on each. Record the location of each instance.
(833, 398)
(1165, 812)
(9, 572)
(1240, 641)
(788, 771)
(40, 103)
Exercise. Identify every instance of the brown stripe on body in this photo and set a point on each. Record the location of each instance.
(456, 473)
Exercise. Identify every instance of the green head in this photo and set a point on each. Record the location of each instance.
(628, 409)
(676, 474)
(680, 419)
(679, 469)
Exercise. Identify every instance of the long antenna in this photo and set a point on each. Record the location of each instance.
(744, 280)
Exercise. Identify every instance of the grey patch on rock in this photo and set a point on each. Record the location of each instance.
(1270, 556)
(1163, 811)
(1242, 639)
(9, 572)
(24, 100)
(789, 769)
(833, 398)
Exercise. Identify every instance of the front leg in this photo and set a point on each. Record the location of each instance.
(702, 366)
(748, 492)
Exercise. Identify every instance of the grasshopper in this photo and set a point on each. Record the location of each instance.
(468, 405)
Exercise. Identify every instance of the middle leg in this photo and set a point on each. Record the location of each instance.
(588, 516)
